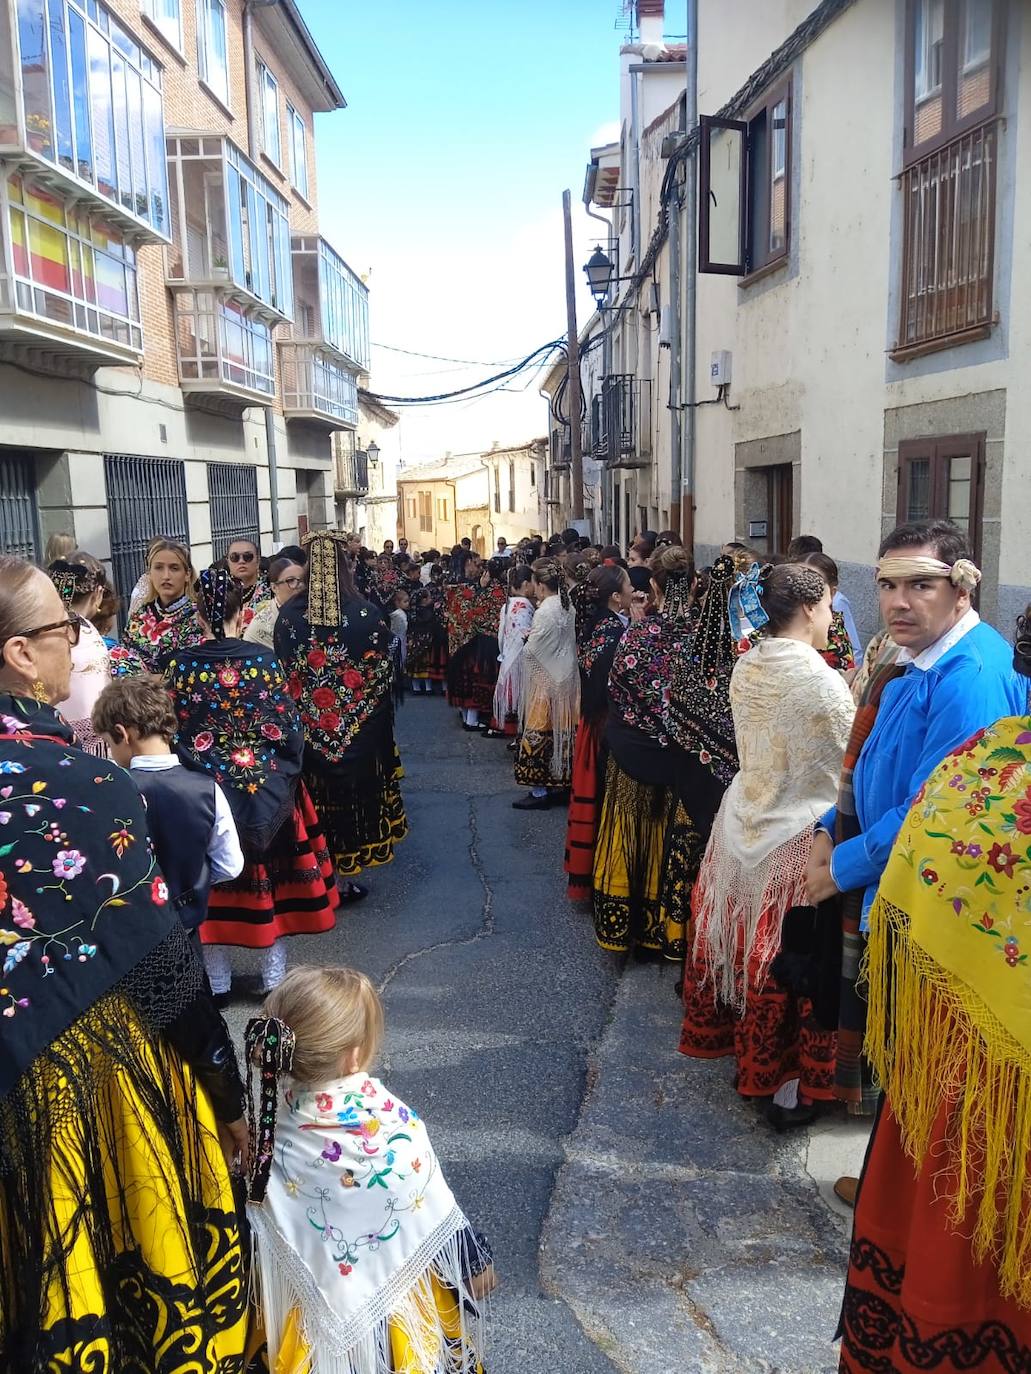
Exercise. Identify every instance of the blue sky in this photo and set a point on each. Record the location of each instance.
(443, 178)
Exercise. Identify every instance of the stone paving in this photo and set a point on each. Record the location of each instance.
(643, 1218)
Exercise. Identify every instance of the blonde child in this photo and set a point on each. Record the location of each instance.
(365, 1262)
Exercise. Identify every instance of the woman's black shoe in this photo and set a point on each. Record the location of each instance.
(532, 803)
(787, 1118)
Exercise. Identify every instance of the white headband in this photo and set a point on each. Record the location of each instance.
(962, 573)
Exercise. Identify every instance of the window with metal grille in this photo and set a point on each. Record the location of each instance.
(146, 497)
(19, 519)
(233, 502)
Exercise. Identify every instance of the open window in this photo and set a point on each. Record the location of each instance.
(744, 221)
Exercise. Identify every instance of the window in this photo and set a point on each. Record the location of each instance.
(949, 178)
(165, 16)
(233, 503)
(143, 495)
(269, 92)
(425, 512)
(954, 49)
(511, 484)
(943, 479)
(70, 268)
(410, 506)
(341, 318)
(441, 507)
(533, 474)
(212, 47)
(298, 152)
(497, 490)
(745, 170)
(19, 515)
(93, 107)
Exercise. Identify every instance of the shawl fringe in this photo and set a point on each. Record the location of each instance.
(933, 1041)
(557, 702)
(361, 1344)
(740, 913)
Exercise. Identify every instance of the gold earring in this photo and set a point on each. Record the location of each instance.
(39, 694)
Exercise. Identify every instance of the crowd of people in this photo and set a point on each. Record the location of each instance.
(826, 840)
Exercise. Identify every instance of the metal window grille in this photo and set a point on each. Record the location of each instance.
(233, 500)
(146, 497)
(19, 518)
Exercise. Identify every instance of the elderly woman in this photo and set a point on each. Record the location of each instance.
(117, 1079)
(335, 648)
(166, 619)
(286, 578)
(82, 586)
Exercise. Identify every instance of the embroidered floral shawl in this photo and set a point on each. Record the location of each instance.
(950, 990)
(472, 610)
(238, 723)
(81, 899)
(341, 676)
(357, 1217)
(253, 599)
(596, 653)
(153, 632)
(91, 671)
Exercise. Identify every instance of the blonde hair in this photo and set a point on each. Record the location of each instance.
(331, 1012)
(157, 546)
(59, 545)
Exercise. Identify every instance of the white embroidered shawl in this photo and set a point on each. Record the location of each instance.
(513, 627)
(551, 685)
(356, 1220)
(792, 718)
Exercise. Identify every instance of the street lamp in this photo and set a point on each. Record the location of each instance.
(372, 450)
(599, 271)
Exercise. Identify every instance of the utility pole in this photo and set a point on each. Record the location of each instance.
(576, 458)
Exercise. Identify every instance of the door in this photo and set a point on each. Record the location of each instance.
(943, 479)
(780, 504)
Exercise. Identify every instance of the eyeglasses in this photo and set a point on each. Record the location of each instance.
(72, 628)
(242, 557)
(294, 582)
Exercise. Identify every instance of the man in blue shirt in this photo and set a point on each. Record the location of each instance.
(958, 678)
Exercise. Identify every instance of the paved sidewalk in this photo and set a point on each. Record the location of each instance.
(684, 1233)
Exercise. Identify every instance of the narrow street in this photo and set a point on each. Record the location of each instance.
(643, 1219)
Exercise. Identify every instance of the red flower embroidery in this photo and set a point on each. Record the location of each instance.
(294, 687)
(329, 721)
(203, 742)
(229, 677)
(272, 732)
(345, 1269)
(324, 1102)
(324, 698)
(1023, 813)
(159, 891)
(316, 658)
(1002, 859)
(351, 678)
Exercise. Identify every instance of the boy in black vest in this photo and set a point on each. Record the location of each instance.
(191, 825)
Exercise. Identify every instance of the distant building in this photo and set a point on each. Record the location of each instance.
(479, 496)
(366, 462)
(178, 342)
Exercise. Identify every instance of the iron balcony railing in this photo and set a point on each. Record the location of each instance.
(621, 421)
(352, 473)
(949, 241)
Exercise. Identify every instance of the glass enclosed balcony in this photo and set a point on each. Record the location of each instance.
(81, 113)
(229, 228)
(225, 351)
(68, 286)
(317, 386)
(332, 301)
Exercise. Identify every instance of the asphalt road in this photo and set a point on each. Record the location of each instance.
(496, 997)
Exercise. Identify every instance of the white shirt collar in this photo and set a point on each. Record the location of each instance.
(928, 657)
(154, 762)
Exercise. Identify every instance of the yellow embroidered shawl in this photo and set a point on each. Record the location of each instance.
(950, 988)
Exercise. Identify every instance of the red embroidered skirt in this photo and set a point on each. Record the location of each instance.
(472, 675)
(915, 1298)
(291, 891)
(584, 806)
(776, 1040)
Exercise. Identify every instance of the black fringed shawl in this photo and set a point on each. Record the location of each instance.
(238, 723)
(596, 652)
(340, 676)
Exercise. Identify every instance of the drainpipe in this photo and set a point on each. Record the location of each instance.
(674, 334)
(635, 137)
(606, 346)
(252, 153)
(691, 294)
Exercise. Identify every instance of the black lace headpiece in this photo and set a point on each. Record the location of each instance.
(214, 584)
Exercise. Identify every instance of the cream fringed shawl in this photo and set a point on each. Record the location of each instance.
(356, 1224)
(551, 681)
(792, 717)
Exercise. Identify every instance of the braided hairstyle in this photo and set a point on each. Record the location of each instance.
(218, 599)
(714, 646)
(785, 589)
(549, 574)
(673, 572)
(602, 584)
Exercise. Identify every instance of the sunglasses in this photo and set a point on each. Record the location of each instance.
(242, 557)
(72, 628)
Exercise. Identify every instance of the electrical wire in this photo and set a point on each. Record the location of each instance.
(441, 358)
(496, 382)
